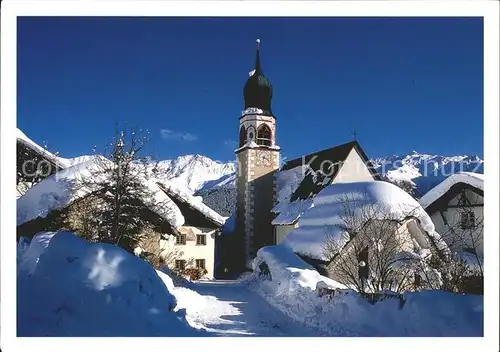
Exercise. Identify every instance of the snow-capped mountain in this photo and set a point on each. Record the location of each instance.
(425, 170)
(193, 172)
(214, 181)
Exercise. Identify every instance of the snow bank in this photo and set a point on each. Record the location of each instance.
(61, 189)
(289, 270)
(366, 200)
(291, 288)
(69, 287)
(470, 178)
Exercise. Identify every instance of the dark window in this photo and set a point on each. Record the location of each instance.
(363, 263)
(470, 250)
(243, 136)
(417, 280)
(180, 264)
(264, 136)
(180, 239)
(200, 263)
(201, 240)
(467, 220)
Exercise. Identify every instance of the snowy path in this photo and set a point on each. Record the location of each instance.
(230, 309)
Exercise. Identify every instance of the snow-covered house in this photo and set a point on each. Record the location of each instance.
(197, 235)
(48, 205)
(456, 207)
(345, 217)
(301, 179)
(33, 162)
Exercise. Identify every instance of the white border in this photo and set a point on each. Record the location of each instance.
(10, 9)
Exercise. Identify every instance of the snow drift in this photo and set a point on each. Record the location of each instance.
(69, 287)
(292, 287)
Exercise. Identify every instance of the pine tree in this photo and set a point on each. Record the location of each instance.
(119, 185)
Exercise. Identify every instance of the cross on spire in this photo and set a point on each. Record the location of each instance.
(354, 134)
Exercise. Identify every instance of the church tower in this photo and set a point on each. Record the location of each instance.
(258, 159)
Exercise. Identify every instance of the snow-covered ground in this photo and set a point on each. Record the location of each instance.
(69, 287)
(231, 309)
(291, 289)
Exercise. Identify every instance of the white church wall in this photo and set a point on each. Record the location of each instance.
(353, 169)
(282, 231)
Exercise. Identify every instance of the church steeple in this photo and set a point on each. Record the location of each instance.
(258, 70)
(258, 90)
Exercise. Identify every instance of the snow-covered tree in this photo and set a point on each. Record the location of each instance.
(119, 185)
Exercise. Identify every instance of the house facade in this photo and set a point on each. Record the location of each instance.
(456, 206)
(193, 246)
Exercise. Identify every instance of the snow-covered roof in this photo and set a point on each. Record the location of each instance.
(60, 190)
(22, 138)
(195, 202)
(473, 179)
(289, 213)
(302, 178)
(326, 218)
(252, 144)
(288, 182)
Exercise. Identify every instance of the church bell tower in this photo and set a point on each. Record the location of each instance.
(258, 159)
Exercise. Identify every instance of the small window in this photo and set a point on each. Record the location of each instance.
(200, 263)
(180, 264)
(201, 240)
(468, 220)
(470, 250)
(180, 239)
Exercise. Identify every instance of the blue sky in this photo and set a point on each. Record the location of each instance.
(403, 83)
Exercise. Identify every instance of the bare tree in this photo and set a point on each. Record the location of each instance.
(372, 251)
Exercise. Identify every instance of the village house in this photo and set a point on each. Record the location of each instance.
(456, 206)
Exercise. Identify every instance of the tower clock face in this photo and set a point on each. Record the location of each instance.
(264, 158)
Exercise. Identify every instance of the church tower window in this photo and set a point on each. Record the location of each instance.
(243, 136)
(264, 135)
